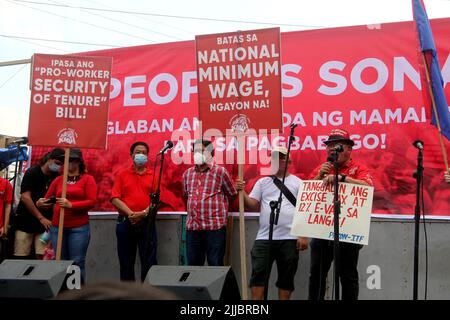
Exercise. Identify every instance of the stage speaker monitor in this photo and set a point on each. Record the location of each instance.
(195, 282)
(34, 279)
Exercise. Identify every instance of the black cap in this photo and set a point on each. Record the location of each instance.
(341, 136)
(75, 153)
(57, 154)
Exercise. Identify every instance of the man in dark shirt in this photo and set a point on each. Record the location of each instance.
(31, 222)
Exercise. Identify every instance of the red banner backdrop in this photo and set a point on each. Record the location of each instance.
(364, 79)
(69, 101)
(239, 81)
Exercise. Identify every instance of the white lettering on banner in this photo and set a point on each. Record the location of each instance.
(69, 86)
(379, 66)
(141, 126)
(237, 54)
(295, 83)
(131, 90)
(401, 68)
(330, 72)
(173, 88)
(80, 73)
(116, 88)
(229, 106)
(233, 72)
(334, 118)
(339, 80)
(187, 88)
(446, 71)
(298, 119)
(156, 125)
(245, 89)
(389, 116)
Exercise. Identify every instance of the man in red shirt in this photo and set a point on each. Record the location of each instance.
(322, 250)
(207, 188)
(131, 197)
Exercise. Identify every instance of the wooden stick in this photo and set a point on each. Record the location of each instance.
(229, 241)
(61, 211)
(244, 289)
(444, 151)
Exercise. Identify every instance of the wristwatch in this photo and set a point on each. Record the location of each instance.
(343, 176)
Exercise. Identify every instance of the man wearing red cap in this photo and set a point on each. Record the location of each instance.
(322, 250)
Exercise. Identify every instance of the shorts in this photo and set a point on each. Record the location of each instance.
(24, 242)
(285, 253)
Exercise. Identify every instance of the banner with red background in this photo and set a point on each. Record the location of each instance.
(364, 79)
(69, 101)
(239, 80)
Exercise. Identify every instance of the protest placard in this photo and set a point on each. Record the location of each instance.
(239, 80)
(314, 213)
(69, 101)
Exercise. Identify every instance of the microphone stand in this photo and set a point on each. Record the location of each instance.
(419, 176)
(336, 211)
(275, 207)
(153, 211)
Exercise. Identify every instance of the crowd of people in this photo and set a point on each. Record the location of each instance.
(208, 189)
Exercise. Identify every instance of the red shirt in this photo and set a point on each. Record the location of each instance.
(133, 189)
(207, 192)
(351, 169)
(82, 193)
(5, 196)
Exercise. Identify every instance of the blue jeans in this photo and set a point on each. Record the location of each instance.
(75, 242)
(129, 240)
(209, 242)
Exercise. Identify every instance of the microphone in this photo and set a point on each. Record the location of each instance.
(169, 145)
(23, 140)
(294, 125)
(418, 144)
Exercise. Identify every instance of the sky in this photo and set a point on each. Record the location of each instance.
(63, 27)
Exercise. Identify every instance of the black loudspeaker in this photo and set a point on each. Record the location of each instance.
(35, 279)
(195, 282)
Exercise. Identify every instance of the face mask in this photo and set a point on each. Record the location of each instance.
(53, 167)
(199, 158)
(140, 159)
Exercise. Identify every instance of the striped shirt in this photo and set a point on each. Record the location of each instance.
(207, 196)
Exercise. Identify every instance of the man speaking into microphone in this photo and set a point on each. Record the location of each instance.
(322, 250)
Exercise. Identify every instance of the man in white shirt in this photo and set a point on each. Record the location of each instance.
(285, 247)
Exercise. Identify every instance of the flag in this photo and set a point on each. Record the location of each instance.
(428, 48)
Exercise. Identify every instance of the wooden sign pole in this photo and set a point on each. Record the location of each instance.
(241, 139)
(61, 212)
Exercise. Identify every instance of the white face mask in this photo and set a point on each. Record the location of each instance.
(53, 167)
(199, 158)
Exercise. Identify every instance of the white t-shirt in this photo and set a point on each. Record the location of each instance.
(265, 191)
